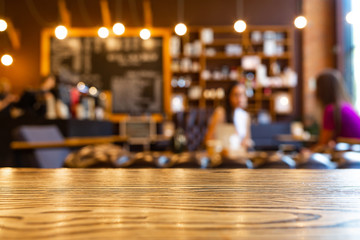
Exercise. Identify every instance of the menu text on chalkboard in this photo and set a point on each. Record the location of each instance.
(130, 67)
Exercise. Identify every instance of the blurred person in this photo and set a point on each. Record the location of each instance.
(339, 118)
(43, 102)
(232, 114)
(7, 99)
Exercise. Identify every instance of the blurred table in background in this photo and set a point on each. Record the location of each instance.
(290, 139)
(179, 204)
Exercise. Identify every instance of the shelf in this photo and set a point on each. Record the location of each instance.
(286, 55)
(262, 55)
(224, 42)
(215, 99)
(185, 73)
(223, 56)
(184, 56)
(223, 36)
(274, 87)
(220, 81)
(284, 42)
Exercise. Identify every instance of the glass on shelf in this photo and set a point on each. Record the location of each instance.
(214, 94)
(193, 49)
(195, 92)
(181, 82)
(256, 37)
(233, 50)
(175, 46)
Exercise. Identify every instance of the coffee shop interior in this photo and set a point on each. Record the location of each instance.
(154, 77)
(169, 92)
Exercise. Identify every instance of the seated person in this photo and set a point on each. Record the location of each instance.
(43, 102)
(339, 117)
(7, 99)
(232, 115)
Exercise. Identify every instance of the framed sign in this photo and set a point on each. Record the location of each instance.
(136, 72)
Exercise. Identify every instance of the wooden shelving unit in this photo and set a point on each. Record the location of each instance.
(219, 60)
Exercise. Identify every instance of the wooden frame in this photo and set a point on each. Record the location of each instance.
(124, 127)
(92, 32)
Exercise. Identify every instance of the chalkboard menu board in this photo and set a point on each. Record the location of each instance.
(128, 66)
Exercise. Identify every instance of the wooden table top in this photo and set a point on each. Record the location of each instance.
(179, 204)
(291, 138)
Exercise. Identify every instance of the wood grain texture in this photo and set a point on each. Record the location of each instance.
(179, 204)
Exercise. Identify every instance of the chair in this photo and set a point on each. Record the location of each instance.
(265, 136)
(43, 158)
(194, 122)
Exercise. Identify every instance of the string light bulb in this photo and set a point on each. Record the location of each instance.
(240, 26)
(300, 22)
(145, 34)
(180, 29)
(6, 60)
(103, 32)
(119, 29)
(3, 25)
(93, 91)
(81, 86)
(61, 32)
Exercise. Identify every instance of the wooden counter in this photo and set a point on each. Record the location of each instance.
(68, 142)
(179, 204)
(77, 142)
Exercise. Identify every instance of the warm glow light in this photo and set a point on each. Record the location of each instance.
(284, 101)
(3, 25)
(102, 96)
(350, 18)
(81, 86)
(103, 32)
(61, 32)
(300, 22)
(93, 91)
(240, 26)
(118, 29)
(6, 60)
(180, 29)
(145, 34)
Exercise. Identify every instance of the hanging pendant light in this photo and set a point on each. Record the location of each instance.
(119, 27)
(103, 32)
(61, 32)
(7, 59)
(180, 28)
(3, 25)
(300, 21)
(240, 25)
(145, 34)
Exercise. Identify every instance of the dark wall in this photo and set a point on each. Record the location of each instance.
(30, 16)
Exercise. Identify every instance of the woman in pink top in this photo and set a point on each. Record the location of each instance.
(339, 117)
